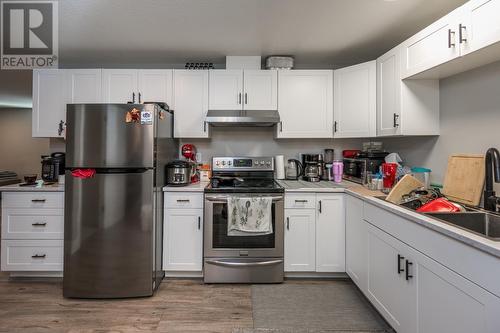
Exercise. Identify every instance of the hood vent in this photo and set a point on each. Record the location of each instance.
(247, 118)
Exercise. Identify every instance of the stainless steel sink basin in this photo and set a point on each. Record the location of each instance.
(482, 223)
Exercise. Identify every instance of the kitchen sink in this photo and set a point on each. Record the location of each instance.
(482, 223)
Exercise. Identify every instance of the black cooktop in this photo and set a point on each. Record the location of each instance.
(243, 185)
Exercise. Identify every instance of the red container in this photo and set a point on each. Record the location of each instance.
(350, 153)
(439, 205)
(389, 174)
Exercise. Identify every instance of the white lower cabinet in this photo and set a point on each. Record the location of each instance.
(415, 293)
(330, 233)
(356, 242)
(314, 232)
(183, 235)
(32, 232)
(300, 240)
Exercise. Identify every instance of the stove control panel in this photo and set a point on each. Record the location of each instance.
(243, 163)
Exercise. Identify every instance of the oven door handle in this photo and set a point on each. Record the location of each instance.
(223, 199)
(244, 264)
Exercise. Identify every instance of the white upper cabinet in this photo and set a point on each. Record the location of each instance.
(260, 90)
(155, 85)
(226, 89)
(404, 107)
(480, 26)
(236, 89)
(190, 103)
(434, 45)
(305, 104)
(355, 101)
(49, 106)
(330, 233)
(83, 85)
(119, 85)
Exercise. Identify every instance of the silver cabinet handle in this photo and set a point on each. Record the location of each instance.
(335, 127)
(199, 222)
(246, 98)
(450, 43)
(60, 128)
(204, 126)
(244, 264)
(287, 223)
(39, 224)
(239, 98)
(395, 120)
(139, 97)
(462, 29)
(320, 206)
(281, 126)
(182, 200)
(133, 98)
(38, 200)
(301, 201)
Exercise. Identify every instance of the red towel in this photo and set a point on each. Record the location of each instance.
(83, 173)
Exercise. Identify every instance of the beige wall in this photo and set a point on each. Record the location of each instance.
(20, 152)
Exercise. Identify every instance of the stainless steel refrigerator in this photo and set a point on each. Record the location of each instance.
(113, 221)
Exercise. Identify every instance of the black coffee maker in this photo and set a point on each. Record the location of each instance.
(53, 166)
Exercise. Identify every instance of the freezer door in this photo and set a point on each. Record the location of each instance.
(98, 136)
(108, 235)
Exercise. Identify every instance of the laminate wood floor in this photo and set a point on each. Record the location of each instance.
(178, 306)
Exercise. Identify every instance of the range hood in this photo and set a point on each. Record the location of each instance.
(248, 118)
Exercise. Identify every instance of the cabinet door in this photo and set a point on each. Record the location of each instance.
(480, 25)
(155, 85)
(260, 90)
(389, 93)
(119, 85)
(356, 242)
(190, 103)
(300, 239)
(49, 107)
(225, 89)
(83, 85)
(330, 233)
(305, 104)
(435, 45)
(447, 302)
(388, 289)
(355, 101)
(183, 240)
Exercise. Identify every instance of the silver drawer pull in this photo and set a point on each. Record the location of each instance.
(38, 200)
(244, 264)
(39, 224)
(182, 200)
(301, 201)
(38, 256)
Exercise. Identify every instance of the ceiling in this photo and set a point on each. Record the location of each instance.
(166, 33)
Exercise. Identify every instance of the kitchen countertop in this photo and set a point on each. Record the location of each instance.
(45, 188)
(197, 187)
(361, 192)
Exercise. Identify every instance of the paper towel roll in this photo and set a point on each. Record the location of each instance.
(279, 166)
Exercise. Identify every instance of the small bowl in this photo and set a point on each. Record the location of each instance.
(30, 179)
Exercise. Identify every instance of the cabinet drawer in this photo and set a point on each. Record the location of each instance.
(32, 223)
(33, 200)
(32, 255)
(183, 200)
(300, 200)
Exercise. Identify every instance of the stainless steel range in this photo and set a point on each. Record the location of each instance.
(242, 258)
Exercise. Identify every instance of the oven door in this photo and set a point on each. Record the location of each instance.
(217, 243)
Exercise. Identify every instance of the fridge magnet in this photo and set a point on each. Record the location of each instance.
(146, 117)
(133, 115)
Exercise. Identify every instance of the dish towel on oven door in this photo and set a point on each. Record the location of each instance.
(249, 216)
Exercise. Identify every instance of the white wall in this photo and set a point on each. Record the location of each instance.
(260, 141)
(470, 121)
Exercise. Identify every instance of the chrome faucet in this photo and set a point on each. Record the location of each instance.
(492, 168)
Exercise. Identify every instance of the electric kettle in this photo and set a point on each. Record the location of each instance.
(294, 169)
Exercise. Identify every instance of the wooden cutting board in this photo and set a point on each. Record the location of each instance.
(404, 186)
(464, 179)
